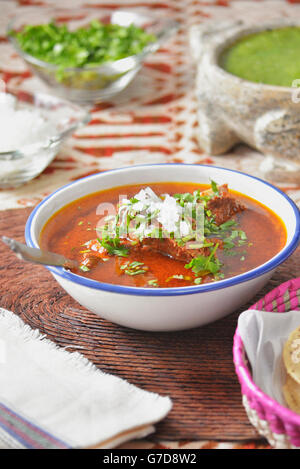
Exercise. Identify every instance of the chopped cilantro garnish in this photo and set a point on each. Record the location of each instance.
(227, 224)
(184, 198)
(198, 280)
(204, 265)
(91, 45)
(228, 244)
(178, 277)
(153, 283)
(113, 246)
(214, 187)
(133, 200)
(134, 268)
(242, 234)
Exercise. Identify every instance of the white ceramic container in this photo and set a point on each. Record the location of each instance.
(168, 309)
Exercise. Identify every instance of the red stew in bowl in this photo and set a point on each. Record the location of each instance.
(165, 234)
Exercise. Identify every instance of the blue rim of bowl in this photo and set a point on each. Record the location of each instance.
(141, 291)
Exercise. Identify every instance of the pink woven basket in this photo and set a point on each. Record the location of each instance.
(279, 425)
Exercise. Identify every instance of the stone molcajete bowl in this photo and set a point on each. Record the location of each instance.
(232, 110)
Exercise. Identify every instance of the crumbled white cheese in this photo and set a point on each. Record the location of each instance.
(147, 195)
(167, 212)
(21, 127)
(184, 228)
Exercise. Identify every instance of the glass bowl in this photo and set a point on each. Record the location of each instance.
(87, 85)
(23, 164)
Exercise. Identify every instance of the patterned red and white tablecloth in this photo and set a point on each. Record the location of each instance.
(153, 121)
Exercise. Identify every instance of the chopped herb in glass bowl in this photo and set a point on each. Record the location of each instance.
(91, 45)
(83, 57)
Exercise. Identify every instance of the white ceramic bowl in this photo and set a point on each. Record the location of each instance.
(167, 309)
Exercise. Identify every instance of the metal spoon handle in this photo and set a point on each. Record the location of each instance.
(38, 256)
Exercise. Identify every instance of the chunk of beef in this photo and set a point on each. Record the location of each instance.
(170, 247)
(224, 206)
(93, 253)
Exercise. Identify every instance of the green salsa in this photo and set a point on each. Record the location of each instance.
(271, 57)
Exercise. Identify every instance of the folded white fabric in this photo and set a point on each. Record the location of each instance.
(50, 397)
(264, 334)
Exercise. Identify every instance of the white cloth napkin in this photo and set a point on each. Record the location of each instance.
(61, 396)
(264, 335)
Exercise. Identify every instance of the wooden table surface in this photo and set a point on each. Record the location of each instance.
(194, 367)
